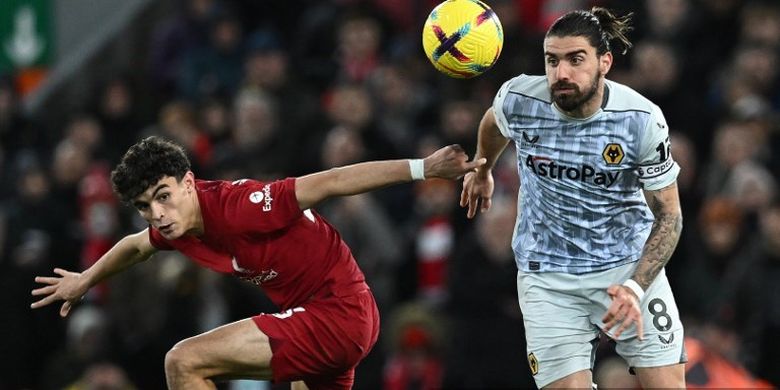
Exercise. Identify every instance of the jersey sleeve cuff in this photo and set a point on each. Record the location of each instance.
(662, 180)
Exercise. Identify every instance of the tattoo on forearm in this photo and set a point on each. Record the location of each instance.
(659, 246)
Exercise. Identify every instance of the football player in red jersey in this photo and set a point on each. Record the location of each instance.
(267, 234)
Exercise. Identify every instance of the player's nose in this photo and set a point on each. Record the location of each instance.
(157, 211)
(562, 71)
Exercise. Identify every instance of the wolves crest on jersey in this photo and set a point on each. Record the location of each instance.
(613, 154)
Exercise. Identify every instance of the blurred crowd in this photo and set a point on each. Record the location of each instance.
(269, 89)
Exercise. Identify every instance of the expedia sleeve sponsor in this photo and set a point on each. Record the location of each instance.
(268, 201)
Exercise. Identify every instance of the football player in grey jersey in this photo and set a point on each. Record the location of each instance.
(598, 210)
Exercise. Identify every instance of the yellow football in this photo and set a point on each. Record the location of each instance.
(462, 38)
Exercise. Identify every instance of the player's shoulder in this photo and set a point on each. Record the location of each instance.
(221, 191)
(212, 188)
(623, 98)
(245, 192)
(528, 86)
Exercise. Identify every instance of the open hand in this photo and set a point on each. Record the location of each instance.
(477, 192)
(67, 287)
(623, 311)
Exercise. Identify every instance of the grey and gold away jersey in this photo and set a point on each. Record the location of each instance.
(580, 206)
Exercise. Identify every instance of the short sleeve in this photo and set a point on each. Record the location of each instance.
(253, 206)
(656, 169)
(158, 241)
(498, 108)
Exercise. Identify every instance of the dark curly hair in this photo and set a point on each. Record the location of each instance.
(603, 29)
(145, 163)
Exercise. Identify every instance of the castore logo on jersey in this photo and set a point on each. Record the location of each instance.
(530, 140)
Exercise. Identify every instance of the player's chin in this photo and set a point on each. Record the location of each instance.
(171, 234)
(567, 102)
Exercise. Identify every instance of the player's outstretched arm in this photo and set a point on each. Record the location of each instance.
(478, 186)
(71, 286)
(449, 162)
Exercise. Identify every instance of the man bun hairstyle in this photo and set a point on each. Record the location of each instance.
(604, 30)
(145, 163)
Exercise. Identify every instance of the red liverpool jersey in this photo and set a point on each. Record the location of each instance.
(257, 232)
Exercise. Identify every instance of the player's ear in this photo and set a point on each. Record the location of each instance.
(189, 180)
(605, 62)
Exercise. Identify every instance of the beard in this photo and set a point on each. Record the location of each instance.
(574, 99)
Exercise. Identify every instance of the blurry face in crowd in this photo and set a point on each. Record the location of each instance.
(199, 9)
(342, 146)
(34, 185)
(85, 132)
(770, 226)
(657, 63)
(226, 35)
(266, 69)
(459, 120)
(575, 73)
(70, 163)
(666, 16)
(170, 206)
(359, 38)
(733, 144)
(761, 24)
(255, 119)
(116, 99)
(758, 65)
(721, 237)
(393, 87)
(216, 119)
(351, 106)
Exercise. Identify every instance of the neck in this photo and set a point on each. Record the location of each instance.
(196, 223)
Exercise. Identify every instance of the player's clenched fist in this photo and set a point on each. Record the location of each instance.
(450, 162)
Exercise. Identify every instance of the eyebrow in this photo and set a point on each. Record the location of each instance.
(569, 54)
(154, 193)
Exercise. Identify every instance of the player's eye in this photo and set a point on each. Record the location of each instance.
(142, 207)
(576, 60)
(163, 197)
(552, 61)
